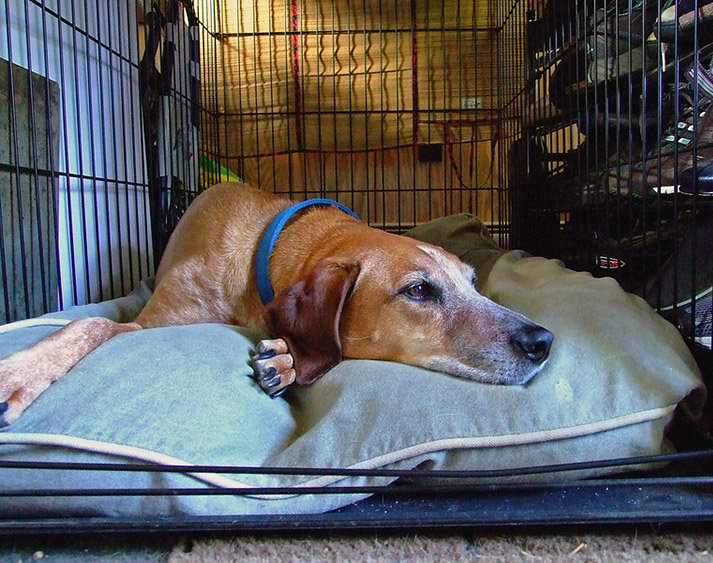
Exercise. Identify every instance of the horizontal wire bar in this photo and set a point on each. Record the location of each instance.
(431, 489)
(357, 31)
(352, 472)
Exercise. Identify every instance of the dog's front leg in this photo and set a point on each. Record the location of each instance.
(273, 366)
(26, 374)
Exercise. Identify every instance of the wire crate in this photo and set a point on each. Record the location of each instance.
(577, 131)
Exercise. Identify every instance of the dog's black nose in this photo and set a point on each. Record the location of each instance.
(535, 341)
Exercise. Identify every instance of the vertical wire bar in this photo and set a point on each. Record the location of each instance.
(676, 119)
(146, 170)
(114, 100)
(287, 38)
(603, 209)
(166, 122)
(516, 108)
(219, 118)
(400, 114)
(415, 109)
(92, 153)
(205, 174)
(691, 328)
(312, 152)
(590, 115)
(256, 88)
(273, 113)
(64, 80)
(472, 193)
(655, 213)
(350, 74)
(95, 175)
(502, 75)
(503, 124)
(3, 250)
(380, 185)
(209, 133)
(130, 175)
(367, 112)
(3, 256)
(185, 95)
(53, 178)
(222, 116)
(450, 178)
(126, 237)
(498, 191)
(415, 117)
(242, 170)
(431, 111)
(179, 87)
(632, 223)
(209, 130)
(447, 162)
(16, 148)
(572, 139)
(191, 95)
(103, 129)
(510, 107)
(568, 138)
(612, 53)
(124, 64)
(300, 57)
(497, 123)
(459, 112)
(320, 164)
(592, 149)
(35, 172)
(335, 134)
(136, 149)
(506, 112)
(195, 88)
(170, 113)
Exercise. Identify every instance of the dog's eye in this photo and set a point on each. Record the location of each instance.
(419, 291)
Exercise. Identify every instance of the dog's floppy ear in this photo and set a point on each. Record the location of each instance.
(306, 315)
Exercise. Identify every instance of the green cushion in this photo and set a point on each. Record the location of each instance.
(617, 372)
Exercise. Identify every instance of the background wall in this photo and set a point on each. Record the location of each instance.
(335, 98)
(89, 49)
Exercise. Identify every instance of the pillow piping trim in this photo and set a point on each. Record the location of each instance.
(29, 323)
(409, 452)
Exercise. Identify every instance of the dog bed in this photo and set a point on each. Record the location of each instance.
(184, 395)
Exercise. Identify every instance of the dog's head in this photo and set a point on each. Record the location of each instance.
(408, 302)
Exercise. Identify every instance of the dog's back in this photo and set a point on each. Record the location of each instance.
(206, 273)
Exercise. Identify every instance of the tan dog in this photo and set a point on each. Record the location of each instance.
(343, 290)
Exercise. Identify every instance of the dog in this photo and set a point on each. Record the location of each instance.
(331, 287)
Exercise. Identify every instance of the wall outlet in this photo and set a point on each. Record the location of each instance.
(471, 103)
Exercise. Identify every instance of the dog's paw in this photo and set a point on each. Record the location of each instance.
(273, 366)
(15, 393)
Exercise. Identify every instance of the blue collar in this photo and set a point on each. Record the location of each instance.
(269, 238)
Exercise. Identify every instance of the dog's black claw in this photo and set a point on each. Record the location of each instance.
(269, 375)
(3, 407)
(273, 382)
(276, 394)
(265, 354)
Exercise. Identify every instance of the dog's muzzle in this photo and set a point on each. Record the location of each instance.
(534, 342)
